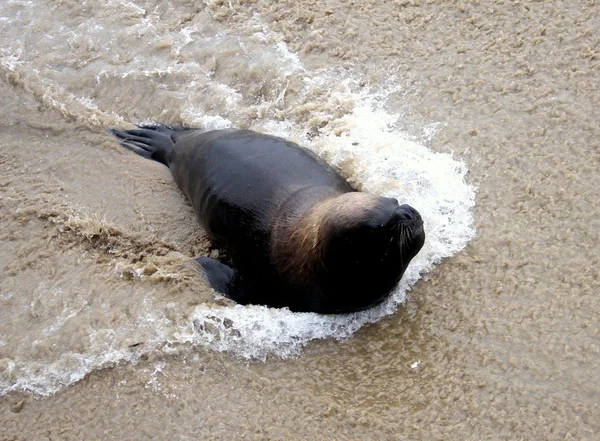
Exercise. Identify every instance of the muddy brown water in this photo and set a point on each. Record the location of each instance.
(106, 332)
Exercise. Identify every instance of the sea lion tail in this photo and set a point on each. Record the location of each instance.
(152, 142)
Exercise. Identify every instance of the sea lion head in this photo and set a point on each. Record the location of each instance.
(365, 244)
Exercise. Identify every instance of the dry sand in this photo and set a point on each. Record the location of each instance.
(500, 342)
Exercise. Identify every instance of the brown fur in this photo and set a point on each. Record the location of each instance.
(297, 243)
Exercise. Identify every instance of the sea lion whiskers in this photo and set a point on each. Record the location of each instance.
(401, 240)
(409, 236)
(387, 250)
(392, 236)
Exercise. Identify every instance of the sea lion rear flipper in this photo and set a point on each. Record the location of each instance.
(219, 275)
(152, 142)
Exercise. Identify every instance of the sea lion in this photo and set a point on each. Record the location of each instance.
(298, 234)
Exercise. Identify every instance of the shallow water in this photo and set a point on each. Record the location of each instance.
(483, 119)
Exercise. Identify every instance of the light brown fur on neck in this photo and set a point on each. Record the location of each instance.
(297, 241)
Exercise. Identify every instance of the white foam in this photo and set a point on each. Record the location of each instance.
(105, 348)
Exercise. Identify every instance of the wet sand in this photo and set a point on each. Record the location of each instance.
(501, 341)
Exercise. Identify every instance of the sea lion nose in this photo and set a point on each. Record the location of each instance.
(406, 213)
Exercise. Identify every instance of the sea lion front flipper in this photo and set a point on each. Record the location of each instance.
(219, 275)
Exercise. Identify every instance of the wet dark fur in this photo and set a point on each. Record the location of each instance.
(298, 234)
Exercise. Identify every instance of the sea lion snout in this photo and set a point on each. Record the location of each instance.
(412, 223)
(408, 215)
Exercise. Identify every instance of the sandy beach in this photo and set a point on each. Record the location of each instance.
(101, 335)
